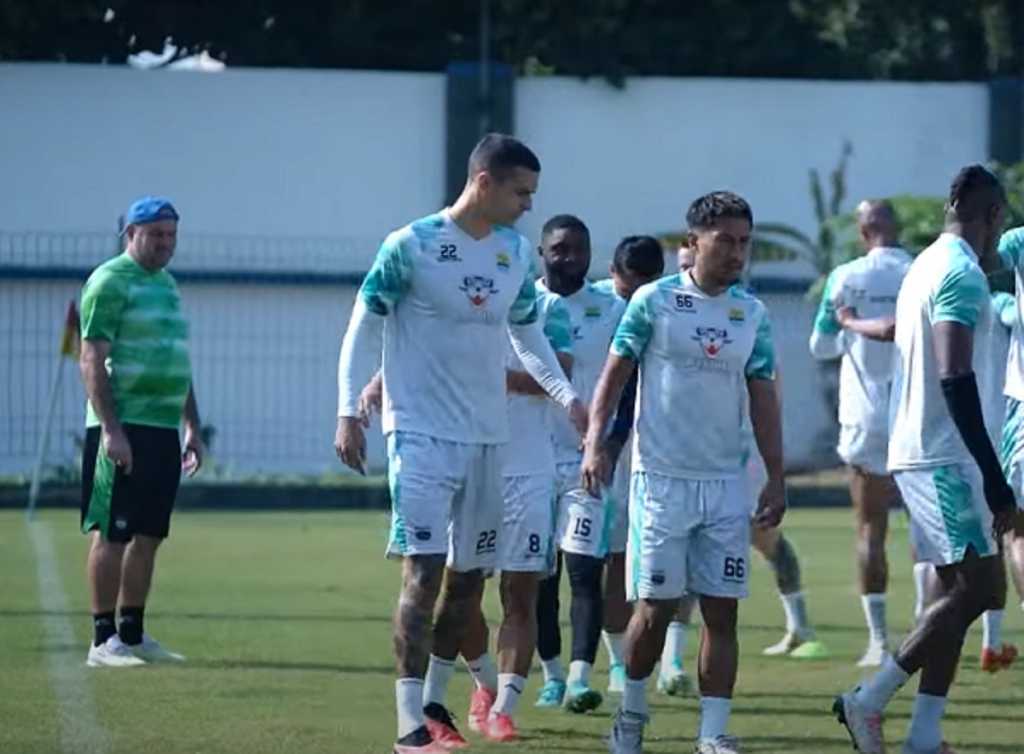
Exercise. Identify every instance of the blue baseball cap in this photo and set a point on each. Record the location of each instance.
(149, 209)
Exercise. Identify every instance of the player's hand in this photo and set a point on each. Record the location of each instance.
(578, 416)
(771, 506)
(595, 470)
(371, 400)
(1002, 503)
(844, 314)
(192, 453)
(117, 447)
(350, 443)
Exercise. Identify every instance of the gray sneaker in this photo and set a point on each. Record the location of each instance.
(720, 745)
(627, 733)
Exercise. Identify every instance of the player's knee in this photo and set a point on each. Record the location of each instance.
(422, 580)
(519, 595)
(720, 615)
(463, 588)
(652, 613)
(584, 574)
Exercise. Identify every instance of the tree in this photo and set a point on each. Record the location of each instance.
(916, 39)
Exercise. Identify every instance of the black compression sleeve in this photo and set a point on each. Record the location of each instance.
(624, 413)
(964, 405)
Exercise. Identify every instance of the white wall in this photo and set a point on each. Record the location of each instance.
(256, 152)
(342, 157)
(630, 160)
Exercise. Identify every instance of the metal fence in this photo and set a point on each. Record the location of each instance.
(267, 316)
(266, 321)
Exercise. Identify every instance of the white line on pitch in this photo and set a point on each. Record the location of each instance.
(80, 729)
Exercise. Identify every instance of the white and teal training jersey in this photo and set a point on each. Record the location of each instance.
(606, 285)
(530, 449)
(870, 285)
(447, 299)
(992, 379)
(593, 316)
(944, 284)
(1011, 249)
(695, 354)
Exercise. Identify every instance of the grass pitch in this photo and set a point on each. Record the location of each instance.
(285, 619)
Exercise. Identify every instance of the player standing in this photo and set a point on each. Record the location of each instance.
(866, 289)
(693, 334)
(943, 461)
(441, 294)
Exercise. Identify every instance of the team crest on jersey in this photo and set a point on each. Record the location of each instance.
(736, 315)
(592, 312)
(712, 340)
(478, 289)
(504, 261)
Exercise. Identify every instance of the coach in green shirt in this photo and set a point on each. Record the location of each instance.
(138, 380)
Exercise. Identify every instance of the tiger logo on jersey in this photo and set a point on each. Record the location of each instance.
(478, 289)
(712, 340)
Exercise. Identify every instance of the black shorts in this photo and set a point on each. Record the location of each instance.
(120, 505)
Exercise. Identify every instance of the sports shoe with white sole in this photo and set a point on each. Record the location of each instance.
(720, 745)
(627, 733)
(113, 653)
(864, 726)
(787, 644)
(580, 699)
(418, 742)
(873, 656)
(810, 650)
(552, 694)
(677, 683)
(150, 650)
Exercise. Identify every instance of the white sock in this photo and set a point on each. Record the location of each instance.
(613, 643)
(921, 573)
(714, 716)
(874, 612)
(579, 672)
(510, 688)
(409, 702)
(553, 670)
(435, 686)
(992, 629)
(876, 692)
(925, 732)
(796, 613)
(675, 647)
(634, 697)
(484, 671)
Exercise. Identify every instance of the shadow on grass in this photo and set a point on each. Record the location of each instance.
(301, 667)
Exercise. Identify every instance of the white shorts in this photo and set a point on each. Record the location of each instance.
(1011, 448)
(529, 523)
(445, 500)
(687, 535)
(863, 448)
(619, 531)
(948, 512)
(584, 522)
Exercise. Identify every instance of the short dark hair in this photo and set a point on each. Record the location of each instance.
(500, 154)
(641, 255)
(974, 189)
(706, 209)
(564, 222)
